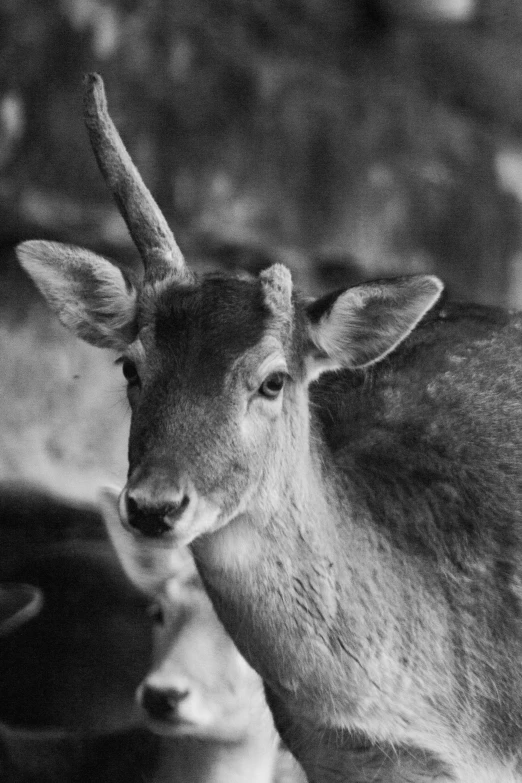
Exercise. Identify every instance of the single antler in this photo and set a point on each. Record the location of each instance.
(147, 226)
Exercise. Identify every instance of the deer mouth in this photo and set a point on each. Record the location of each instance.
(172, 726)
(176, 726)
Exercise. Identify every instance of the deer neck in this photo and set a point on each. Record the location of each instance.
(314, 574)
(280, 556)
(288, 522)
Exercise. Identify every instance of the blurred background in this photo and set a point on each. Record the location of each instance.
(349, 139)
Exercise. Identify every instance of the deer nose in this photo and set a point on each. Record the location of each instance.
(161, 702)
(153, 519)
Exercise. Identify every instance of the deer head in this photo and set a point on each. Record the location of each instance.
(218, 368)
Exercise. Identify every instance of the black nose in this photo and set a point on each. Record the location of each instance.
(161, 702)
(153, 521)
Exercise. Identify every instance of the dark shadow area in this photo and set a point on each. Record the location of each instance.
(78, 663)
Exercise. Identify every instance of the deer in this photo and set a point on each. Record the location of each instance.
(199, 695)
(346, 473)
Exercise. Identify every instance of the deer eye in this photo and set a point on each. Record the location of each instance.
(130, 373)
(272, 385)
(155, 613)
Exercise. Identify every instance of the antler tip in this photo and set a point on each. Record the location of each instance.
(94, 91)
(92, 78)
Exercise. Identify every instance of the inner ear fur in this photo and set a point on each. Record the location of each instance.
(88, 293)
(357, 327)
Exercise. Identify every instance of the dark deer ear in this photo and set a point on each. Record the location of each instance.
(88, 293)
(360, 326)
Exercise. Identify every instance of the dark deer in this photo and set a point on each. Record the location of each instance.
(346, 472)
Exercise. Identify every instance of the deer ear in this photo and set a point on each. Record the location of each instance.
(148, 567)
(88, 293)
(360, 326)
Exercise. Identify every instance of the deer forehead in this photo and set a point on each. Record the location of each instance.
(207, 331)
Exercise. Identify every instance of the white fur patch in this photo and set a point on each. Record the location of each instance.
(234, 548)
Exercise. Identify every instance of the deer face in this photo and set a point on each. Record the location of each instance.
(199, 685)
(211, 376)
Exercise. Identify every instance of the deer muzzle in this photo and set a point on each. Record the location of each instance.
(152, 517)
